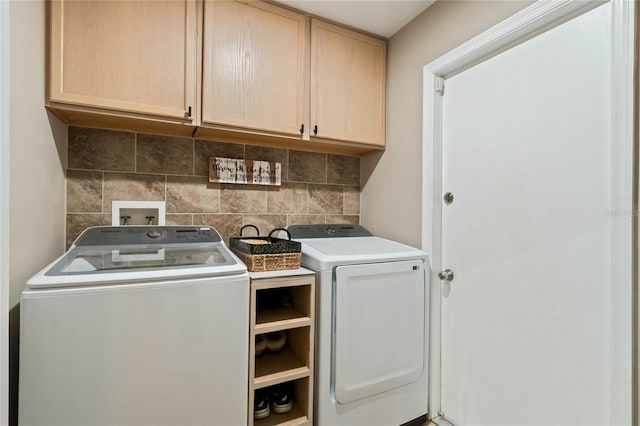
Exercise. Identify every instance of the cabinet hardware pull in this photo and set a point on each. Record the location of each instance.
(315, 129)
(301, 128)
(189, 111)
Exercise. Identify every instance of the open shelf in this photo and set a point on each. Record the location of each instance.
(300, 414)
(294, 417)
(283, 366)
(280, 319)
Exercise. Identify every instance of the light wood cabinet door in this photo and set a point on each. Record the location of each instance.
(253, 66)
(347, 85)
(125, 56)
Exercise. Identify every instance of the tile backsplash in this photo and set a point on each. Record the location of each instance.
(107, 165)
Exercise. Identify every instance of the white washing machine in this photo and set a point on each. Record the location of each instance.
(136, 326)
(372, 334)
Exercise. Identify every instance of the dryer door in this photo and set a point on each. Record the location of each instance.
(379, 323)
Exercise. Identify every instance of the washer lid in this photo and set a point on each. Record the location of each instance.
(106, 255)
(326, 253)
(109, 259)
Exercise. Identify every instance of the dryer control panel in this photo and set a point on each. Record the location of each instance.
(328, 231)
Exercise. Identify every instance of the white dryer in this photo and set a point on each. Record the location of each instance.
(372, 334)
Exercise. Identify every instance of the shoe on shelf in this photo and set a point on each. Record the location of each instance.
(261, 344)
(275, 341)
(285, 297)
(261, 405)
(281, 398)
(273, 298)
(267, 299)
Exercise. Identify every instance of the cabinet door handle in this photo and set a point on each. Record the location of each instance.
(302, 128)
(189, 111)
(315, 129)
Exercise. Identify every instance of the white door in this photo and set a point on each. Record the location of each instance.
(526, 144)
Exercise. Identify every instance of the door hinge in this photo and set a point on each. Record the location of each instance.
(440, 86)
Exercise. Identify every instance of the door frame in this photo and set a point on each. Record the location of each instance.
(4, 210)
(526, 24)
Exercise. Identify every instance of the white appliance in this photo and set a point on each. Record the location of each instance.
(372, 334)
(136, 325)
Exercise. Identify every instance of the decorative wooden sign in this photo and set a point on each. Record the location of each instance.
(247, 172)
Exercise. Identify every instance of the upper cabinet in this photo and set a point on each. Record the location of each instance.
(243, 71)
(347, 85)
(123, 59)
(253, 69)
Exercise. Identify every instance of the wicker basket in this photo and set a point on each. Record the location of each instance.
(264, 245)
(266, 253)
(269, 262)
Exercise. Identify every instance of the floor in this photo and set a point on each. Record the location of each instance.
(420, 421)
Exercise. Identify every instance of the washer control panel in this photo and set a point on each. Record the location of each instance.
(125, 235)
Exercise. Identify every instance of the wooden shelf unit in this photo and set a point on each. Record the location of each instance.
(294, 363)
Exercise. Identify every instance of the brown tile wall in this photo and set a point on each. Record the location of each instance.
(106, 165)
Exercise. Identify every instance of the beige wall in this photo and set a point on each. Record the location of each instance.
(107, 165)
(636, 240)
(391, 181)
(37, 178)
(4, 212)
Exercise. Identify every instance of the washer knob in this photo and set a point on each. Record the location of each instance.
(154, 233)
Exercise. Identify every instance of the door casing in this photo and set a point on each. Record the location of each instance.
(531, 21)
